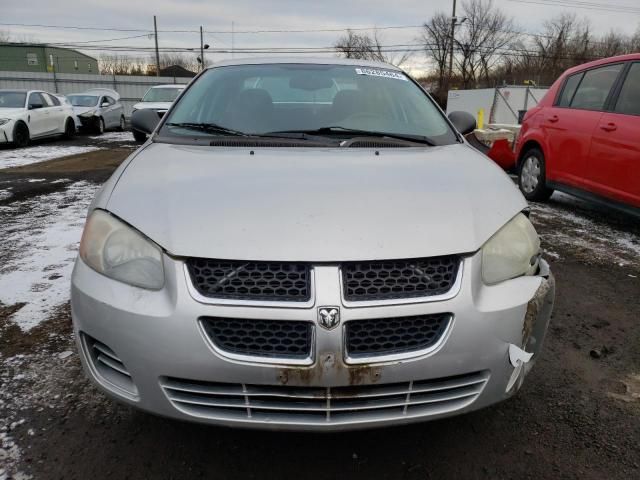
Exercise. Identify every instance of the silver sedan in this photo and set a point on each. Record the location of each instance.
(98, 110)
(309, 244)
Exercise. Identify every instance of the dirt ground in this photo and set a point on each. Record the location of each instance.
(577, 416)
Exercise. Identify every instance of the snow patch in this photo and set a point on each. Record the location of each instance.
(25, 156)
(588, 234)
(4, 194)
(42, 236)
(114, 137)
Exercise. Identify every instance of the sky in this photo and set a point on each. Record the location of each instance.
(219, 17)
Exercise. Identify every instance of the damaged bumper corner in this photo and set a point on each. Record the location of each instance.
(534, 328)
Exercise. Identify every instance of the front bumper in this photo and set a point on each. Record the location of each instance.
(88, 122)
(6, 132)
(157, 337)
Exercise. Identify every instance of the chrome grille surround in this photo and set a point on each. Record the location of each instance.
(245, 280)
(323, 405)
(260, 302)
(386, 339)
(250, 337)
(400, 280)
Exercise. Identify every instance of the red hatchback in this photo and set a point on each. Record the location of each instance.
(583, 138)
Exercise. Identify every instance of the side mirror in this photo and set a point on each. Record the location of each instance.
(105, 104)
(33, 106)
(144, 121)
(464, 122)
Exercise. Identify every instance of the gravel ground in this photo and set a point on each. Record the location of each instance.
(577, 416)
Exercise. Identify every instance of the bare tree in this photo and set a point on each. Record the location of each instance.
(436, 38)
(122, 65)
(362, 46)
(483, 35)
(189, 62)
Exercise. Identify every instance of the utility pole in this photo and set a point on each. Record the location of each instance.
(155, 35)
(201, 50)
(452, 41)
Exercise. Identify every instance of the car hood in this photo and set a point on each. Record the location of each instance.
(11, 112)
(81, 110)
(152, 105)
(324, 205)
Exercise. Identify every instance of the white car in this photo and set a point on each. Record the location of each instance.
(158, 98)
(31, 114)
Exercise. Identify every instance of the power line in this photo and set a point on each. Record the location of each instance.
(228, 32)
(583, 5)
(315, 30)
(103, 40)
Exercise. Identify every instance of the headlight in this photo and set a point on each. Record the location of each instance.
(89, 113)
(116, 250)
(511, 252)
(4, 120)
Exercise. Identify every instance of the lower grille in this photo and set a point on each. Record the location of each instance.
(323, 406)
(262, 338)
(391, 336)
(398, 279)
(239, 280)
(108, 366)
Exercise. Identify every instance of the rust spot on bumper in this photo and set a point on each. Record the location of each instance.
(329, 370)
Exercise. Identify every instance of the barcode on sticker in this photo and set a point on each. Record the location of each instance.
(381, 73)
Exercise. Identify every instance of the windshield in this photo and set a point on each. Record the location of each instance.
(12, 99)
(161, 94)
(83, 100)
(261, 99)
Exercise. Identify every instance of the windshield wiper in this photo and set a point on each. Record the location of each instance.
(209, 128)
(219, 129)
(338, 130)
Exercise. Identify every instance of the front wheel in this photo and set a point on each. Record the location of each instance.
(532, 176)
(21, 135)
(69, 129)
(100, 126)
(139, 136)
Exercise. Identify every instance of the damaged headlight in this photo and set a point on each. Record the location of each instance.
(511, 252)
(116, 250)
(4, 120)
(89, 113)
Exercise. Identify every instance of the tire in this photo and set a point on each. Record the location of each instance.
(69, 129)
(532, 176)
(21, 136)
(139, 136)
(121, 127)
(100, 126)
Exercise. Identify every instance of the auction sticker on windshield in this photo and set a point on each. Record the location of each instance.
(381, 73)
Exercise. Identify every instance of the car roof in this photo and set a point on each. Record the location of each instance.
(308, 60)
(603, 61)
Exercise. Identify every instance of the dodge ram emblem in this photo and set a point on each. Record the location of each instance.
(328, 317)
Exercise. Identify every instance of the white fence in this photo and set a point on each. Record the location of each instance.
(500, 105)
(130, 88)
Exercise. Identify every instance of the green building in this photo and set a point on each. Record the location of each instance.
(34, 57)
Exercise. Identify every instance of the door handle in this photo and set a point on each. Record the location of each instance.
(553, 119)
(609, 127)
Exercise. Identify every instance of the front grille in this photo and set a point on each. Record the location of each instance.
(396, 279)
(108, 365)
(262, 338)
(390, 336)
(238, 280)
(323, 405)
